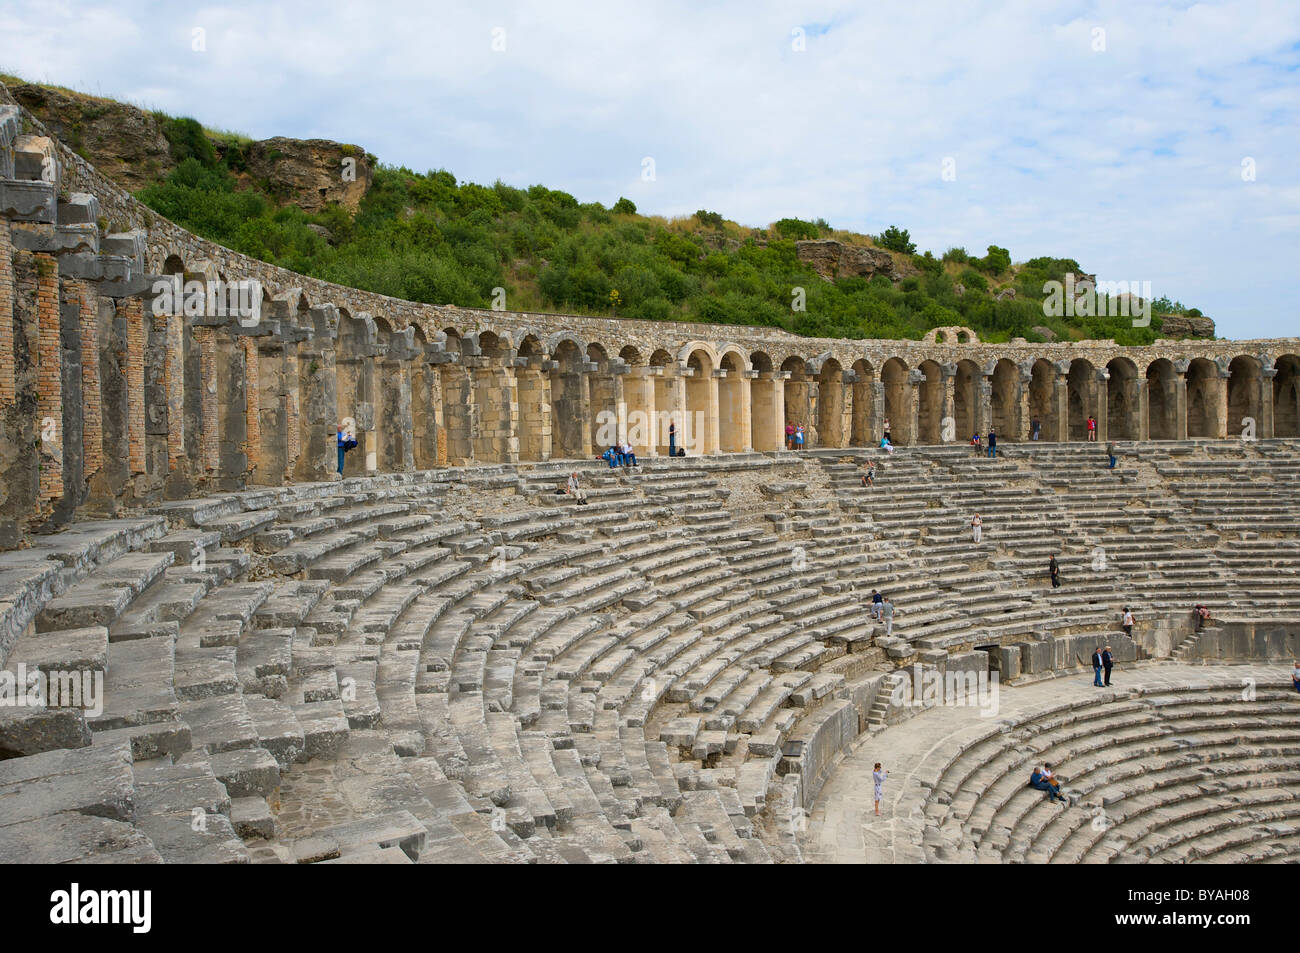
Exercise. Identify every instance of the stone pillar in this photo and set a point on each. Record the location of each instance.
(496, 410)
(319, 410)
(1023, 382)
(133, 311)
(1221, 402)
(1101, 404)
(92, 427)
(1180, 399)
(398, 452)
(533, 393)
(949, 412)
(49, 382)
(639, 401)
(1265, 428)
(912, 406)
(1144, 408)
(876, 417)
(252, 399)
(8, 392)
(984, 412)
(458, 413)
(209, 421)
(1061, 397)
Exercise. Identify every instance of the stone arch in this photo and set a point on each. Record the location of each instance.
(354, 375)
(700, 433)
(669, 399)
(766, 403)
(1123, 401)
(532, 389)
(895, 376)
(1162, 400)
(1203, 398)
(830, 405)
(863, 429)
(1043, 405)
(800, 397)
(930, 402)
(1081, 397)
(1244, 376)
(569, 434)
(630, 356)
(734, 411)
(1286, 396)
(605, 394)
(1005, 402)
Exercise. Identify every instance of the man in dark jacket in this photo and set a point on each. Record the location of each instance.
(1097, 662)
(1107, 662)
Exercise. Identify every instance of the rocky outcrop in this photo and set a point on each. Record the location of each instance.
(834, 259)
(311, 173)
(125, 143)
(1187, 326)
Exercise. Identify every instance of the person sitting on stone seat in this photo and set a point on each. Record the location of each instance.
(1295, 676)
(1043, 782)
(629, 458)
(869, 474)
(572, 489)
(1202, 615)
(611, 456)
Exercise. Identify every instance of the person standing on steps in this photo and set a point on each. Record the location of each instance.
(889, 437)
(798, 437)
(878, 776)
(993, 443)
(1092, 428)
(1110, 452)
(672, 439)
(1107, 662)
(347, 441)
(1295, 676)
(887, 610)
(789, 435)
(977, 528)
(1035, 428)
(1126, 622)
(1054, 571)
(877, 601)
(1096, 667)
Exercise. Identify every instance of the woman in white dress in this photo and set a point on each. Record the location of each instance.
(977, 525)
(878, 780)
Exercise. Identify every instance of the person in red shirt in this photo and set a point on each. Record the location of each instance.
(1092, 427)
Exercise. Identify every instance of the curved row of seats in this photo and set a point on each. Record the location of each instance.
(462, 665)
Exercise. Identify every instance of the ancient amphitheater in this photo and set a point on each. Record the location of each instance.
(435, 658)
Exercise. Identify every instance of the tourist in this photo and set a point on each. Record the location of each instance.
(1096, 667)
(1055, 572)
(1110, 452)
(1038, 781)
(789, 435)
(889, 437)
(629, 458)
(1295, 676)
(887, 610)
(611, 456)
(1035, 428)
(993, 443)
(1202, 615)
(886, 446)
(1107, 662)
(977, 444)
(672, 439)
(1054, 783)
(572, 489)
(869, 474)
(876, 601)
(347, 441)
(798, 437)
(977, 526)
(1092, 428)
(878, 782)
(1127, 622)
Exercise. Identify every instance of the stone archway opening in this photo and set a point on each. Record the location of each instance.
(700, 435)
(767, 405)
(1244, 377)
(1202, 398)
(931, 399)
(534, 403)
(1162, 400)
(734, 413)
(1123, 403)
(863, 431)
(569, 436)
(895, 376)
(1042, 400)
(965, 402)
(830, 404)
(1004, 402)
(1286, 396)
(1081, 397)
(800, 399)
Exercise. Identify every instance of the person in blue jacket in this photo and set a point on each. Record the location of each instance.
(346, 442)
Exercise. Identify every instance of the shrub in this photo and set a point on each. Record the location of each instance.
(624, 207)
(896, 239)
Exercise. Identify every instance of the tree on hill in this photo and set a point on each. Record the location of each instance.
(896, 239)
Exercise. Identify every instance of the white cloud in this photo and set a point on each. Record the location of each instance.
(1127, 159)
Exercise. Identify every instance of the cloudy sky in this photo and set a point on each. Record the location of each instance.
(1152, 141)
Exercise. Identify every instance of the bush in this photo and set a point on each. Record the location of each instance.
(896, 239)
(797, 229)
(996, 261)
(956, 256)
(709, 219)
(624, 207)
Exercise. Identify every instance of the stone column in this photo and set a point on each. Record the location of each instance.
(1061, 397)
(984, 412)
(1101, 404)
(1221, 402)
(398, 452)
(876, 416)
(272, 410)
(912, 406)
(1023, 382)
(319, 409)
(746, 393)
(1180, 398)
(533, 388)
(1265, 429)
(949, 412)
(1144, 408)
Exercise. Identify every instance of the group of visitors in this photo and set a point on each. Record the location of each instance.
(882, 610)
(978, 444)
(794, 436)
(1102, 659)
(619, 455)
